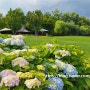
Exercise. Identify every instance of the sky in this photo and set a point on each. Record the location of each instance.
(82, 7)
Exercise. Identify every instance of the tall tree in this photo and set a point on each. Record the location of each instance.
(48, 22)
(37, 21)
(85, 30)
(74, 17)
(34, 20)
(30, 20)
(83, 21)
(56, 14)
(2, 21)
(61, 27)
(73, 29)
(15, 19)
(65, 17)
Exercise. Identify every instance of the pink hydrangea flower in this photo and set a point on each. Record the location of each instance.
(20, 61)
(10, 80)
(7, 72)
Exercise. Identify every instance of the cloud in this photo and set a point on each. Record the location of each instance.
(79, 6)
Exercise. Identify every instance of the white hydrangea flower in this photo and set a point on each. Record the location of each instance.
(32, 83)
(1, 50)
(16, 52)
(10, 80)
(20, 61)
(33, 50)
(14, 40)
(17, 42)
(60, 64)
(18, 36)
(23, 50)
(1, 40)
(49, 46)
(64, 53)
(7, 72)
(32, 57)
(7, 41)
(57, 57)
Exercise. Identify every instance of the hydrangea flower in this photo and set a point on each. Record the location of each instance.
(60, 64)
(33, 50)
(10, 80)
(40, 67)
(1, 40)
(63, 53)
(7, 41)
(14, 40)
(49, 46)
(17, 36)
(20, 61)
(57, 57)
(57, 83)
(6, 48)
(1, 50)
(26, 47)
(16, 52)
(32, 83)
(7, 72)
(18, 42)
(54, 66)
(25, 75)
(70, 70)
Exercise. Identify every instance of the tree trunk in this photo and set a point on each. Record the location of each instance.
(36, 33)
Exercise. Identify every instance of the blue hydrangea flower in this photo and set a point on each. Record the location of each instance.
(1, 40)
(57, 83)
(70, 70)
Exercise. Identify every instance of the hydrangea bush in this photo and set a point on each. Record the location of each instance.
(45, 67)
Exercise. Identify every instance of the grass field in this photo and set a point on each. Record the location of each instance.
(83, 42)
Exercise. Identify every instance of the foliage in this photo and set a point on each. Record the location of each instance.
(61, 28)
(35, 20)
(15, 19)
(41, 68)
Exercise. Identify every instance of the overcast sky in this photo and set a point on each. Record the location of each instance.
(82, 7)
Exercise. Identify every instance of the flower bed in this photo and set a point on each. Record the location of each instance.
(45, 67)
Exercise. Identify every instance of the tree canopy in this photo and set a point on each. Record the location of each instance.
(56, 22)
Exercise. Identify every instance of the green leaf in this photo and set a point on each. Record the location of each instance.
(87, 80)
(68, 83)
(87, 70)
(4, 88)
(18, 88)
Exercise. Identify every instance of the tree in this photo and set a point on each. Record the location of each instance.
(73, 29)
(48, 22)
(74, 17)
(61, 27)
(83, 21)
(2, 21)
(37, 21)
(30, 20)
(34, 20)
(56, 14)
(15, 19)
(65, 17)
(85, 30)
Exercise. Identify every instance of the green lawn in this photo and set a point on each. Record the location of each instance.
(83, 42)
